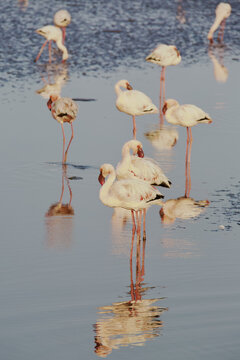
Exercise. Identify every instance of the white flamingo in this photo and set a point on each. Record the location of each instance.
(164, 55)
(63, 110)
(52, 33)
(185, 115)
(131, 194)
(133, 102)
(223, 11)
(133, 167)
(62, 19)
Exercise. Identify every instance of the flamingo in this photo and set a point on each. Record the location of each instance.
(63, 110)
(62, 18)
(164, 55)
(131, 194)
(52, 33)
(133, 102)
(132, 167)
(165, 137)
(223, 11)
(186, 115)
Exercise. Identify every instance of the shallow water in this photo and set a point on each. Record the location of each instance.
(66, 280)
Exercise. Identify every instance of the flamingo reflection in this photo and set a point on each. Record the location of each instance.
(220, 71)
(59, 217)
(57, 76)
(131, 322)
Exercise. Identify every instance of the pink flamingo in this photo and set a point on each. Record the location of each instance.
(223, 11)
(62, 19)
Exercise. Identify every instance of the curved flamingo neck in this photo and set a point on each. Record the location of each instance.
(104, 191)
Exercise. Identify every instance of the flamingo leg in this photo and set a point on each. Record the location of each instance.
(41, 50)
(64, 139)
(60, 201)
(163, 83)
(68, 184)
(50, 50)
(131, 254)
(186, 164)
(189, 158)
(65, 157)
(63, 34)
(144, 224)
(134, 127)
(138, 269)
(221, 31)
(143, 257)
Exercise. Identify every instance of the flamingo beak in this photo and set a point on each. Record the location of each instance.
(101, 178)
(161, 212)
(164, 109)
(140, 152)
(129, 87)
(49, 103)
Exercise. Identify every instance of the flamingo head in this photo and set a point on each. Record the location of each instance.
(51, 100)
(128, 86)
(168, 104)
(165, 219)
(101, 178)
(140, 151)
(177, 51)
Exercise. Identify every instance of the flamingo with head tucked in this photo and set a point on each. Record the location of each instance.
(52, 33)
(62, 19)
(133, 102)
(131, 194)
(164, 55)
(63, 110)
(139, 167)
(223, 11)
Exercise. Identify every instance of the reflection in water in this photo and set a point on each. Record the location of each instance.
(220, 71)
(57, 76)
(180, 13)
(181, 208)
(163, 138)
(130, 322)
(59, 218)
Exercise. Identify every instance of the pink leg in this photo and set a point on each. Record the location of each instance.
(186, 164)
(221, 31)
(163, 80)
(60, 201)
(134, 127)
(63, 34)
(144, 224)
(189, 158)
(65, 157)
(131, 254)
(49, 50)
(143, 258)
(41, 50)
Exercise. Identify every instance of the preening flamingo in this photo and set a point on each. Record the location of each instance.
(63, 110)
(133, 167)
(52, 33)
(164, 55)
(133, 102)
(62, 18)
(132, 194)
(223, 11)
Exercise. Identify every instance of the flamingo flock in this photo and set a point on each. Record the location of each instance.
(132, 185)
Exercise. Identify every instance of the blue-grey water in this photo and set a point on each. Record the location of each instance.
(66, 277)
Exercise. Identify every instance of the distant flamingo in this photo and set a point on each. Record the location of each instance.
(52, 33)
(133, 102)
(62, 18)
(164, 55)
(223, 11)
(132, 194)
(133, 167)
(63, 110)
(185, 115)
